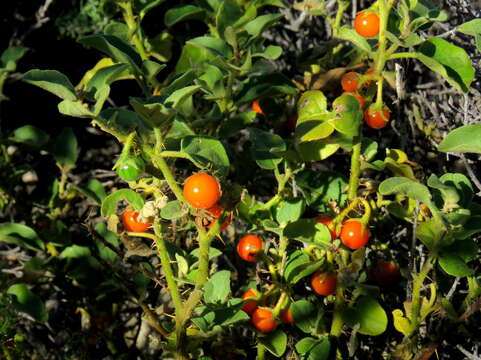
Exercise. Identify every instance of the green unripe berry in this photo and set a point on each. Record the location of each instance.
(130, 169)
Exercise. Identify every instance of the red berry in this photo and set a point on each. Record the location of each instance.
(201, 191)
(350, 82)
(286, 316)
(375, 118)
(129, 219)
(263, 320)
(216, 211)
(385, 273)
(250, 305)
(323, 283)
(248, 247)
(367, 24)
(354, 234)
(257, 107)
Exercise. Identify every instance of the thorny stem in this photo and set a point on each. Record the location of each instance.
(342, 7)
(133, 27)
(416, 298)
(281, 184)
(167, 267)
(355, 168)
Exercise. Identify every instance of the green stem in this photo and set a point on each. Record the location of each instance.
(169, 273)
(169, 177)
(337, 322)
(416, 298)
(260, 351)
(281, 184)
(401, 55)
(355, 168)
(129, 18)
(205, 240)
(173, 154)
(342, 6)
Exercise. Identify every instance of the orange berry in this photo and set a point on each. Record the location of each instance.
(350, 82)
(249, 306)
(256, 107)
(376, 119)
(367, 24)
(386, 273)
(201, 191)
(354, 234)
(216, 211)
(248, 247)
(129, 219)
(263, 320)
(323, 283)
(286, 316)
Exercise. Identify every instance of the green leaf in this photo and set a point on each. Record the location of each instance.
(448, 193)
(109, 205)
(176, 99)
(317, 150)
(153, 111)
(466, 250)
(226, 315)
(299, 265)
(75, 109)
(182, 13)
(257, 26)
(65, 150)
(30, 135)
(212, 80)
(93, 190)
(321, 187)
(115, 48)
(349, 115)
(173, 210)
(369, 314)
(448, 60)
(22, 235)
(271, 52)
(308, 231)
(305, 315)
(289, 210)
(472, 28)
(112, 238)
(311, 105)
(198, 50)
(454, 265)
(266, 147)
(217, 289)
(275, 342)
(119, 30)
(75, 251)
(314, 349)
(24, 300)
(430, 233)
(471, 227)
(406, 187)
(226, 16)
(349, 34)
(11, 56)
(465, 139)
(462, 185)
(263, 86)
(53, 81)
(310, 130)
(206, 152)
